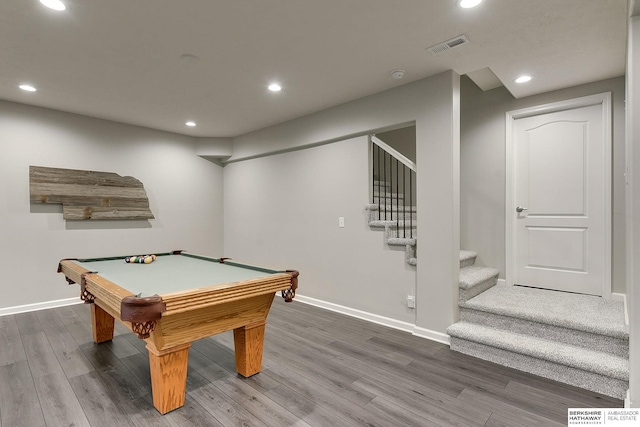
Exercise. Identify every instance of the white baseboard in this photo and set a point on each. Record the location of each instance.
(39, 306)
(623, 299)
(431, 335)
(375, 318)
(369, 317)
(501, 282)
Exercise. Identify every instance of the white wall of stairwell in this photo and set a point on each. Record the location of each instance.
(483, 173)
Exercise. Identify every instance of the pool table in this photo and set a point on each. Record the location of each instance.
(175, 300)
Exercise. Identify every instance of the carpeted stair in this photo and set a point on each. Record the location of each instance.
(580, 340)
(473, 279)
(398, 220)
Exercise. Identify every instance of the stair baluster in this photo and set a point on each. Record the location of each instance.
(391, 199)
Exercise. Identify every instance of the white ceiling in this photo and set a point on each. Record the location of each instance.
(121, 59)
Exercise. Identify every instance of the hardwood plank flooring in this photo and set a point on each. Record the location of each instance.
(320, 369)
(19, 404)
(11, 348)
(59, 403)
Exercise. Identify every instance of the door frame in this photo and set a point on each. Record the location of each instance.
(602, 99)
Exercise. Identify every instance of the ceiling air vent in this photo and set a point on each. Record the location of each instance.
(449, 44)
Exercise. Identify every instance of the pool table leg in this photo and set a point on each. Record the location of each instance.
(168, 376)
(102, 324)
(249, 343)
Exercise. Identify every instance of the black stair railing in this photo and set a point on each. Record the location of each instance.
(391, 170)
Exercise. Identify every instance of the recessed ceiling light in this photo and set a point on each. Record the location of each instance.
(190, 124)
(523, 78)
(189, 57)
(54, 4)
(467, 4)
(275, 87)
(27, 88)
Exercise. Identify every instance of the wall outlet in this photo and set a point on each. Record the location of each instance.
(411, 301)
(341, 222)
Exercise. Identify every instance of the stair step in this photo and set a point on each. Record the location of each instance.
(380, 216)
(401, 241)
(475, 280)
(390, 207)
(377, 183)
(394, 202)
(395, 212)
(597, 371)
(387, 194)
(410, 255)
(606, 344)
(388, 184)
(399, 231)
(377, 217)
(540, 348)
(585, 313)
(401, 223)
(393, 231)
(402, 237)
(467, 258)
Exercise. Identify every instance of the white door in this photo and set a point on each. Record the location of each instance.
(561, 200)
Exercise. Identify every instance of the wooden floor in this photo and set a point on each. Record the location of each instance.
(320, 369)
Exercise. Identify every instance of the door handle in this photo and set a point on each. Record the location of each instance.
(520, 209)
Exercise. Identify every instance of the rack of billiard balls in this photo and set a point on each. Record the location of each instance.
(140, 259)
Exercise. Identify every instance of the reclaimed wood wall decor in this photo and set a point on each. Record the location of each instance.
(89, 194)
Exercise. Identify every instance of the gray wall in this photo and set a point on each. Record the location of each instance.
(383, 111)
(482, 173)
(432, 104)
(283, 210)
(185, 193)
(438, 185)
(403, 140)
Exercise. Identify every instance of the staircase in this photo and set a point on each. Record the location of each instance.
(399, 231)
(580, 340)
(393, 177)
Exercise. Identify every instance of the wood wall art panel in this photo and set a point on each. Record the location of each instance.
(89, 194)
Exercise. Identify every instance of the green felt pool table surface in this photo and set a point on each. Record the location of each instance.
(172, 273)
